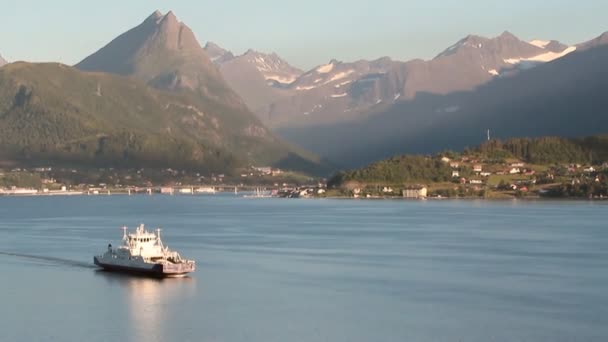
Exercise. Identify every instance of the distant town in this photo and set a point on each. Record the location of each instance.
(49, 180)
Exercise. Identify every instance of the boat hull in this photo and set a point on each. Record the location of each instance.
(153, 270)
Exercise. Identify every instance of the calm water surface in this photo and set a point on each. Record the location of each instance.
(308, 270)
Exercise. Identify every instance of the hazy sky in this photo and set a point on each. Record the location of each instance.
(306, 33)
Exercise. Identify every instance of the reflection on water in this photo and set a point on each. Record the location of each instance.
(150, 302)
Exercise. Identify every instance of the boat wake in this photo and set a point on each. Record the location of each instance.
(59, 261)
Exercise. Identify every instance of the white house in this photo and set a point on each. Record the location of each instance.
(589, 169)
(455, 174)
(514, 170)
(415, 192)
(477, 168)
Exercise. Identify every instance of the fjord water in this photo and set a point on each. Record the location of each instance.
(308, 270)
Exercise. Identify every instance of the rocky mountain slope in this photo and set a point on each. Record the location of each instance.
(259, 78)
(559, 97)
(164, 53)
(341, 92)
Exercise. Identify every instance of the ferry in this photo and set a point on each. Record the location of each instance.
(143, 253)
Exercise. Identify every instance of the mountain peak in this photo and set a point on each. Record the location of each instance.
(217, 53)
(154, 16)
(601, 40)
(507, 35)
(163, 52)
(170, 16)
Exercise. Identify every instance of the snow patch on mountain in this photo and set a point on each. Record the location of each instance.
(493, 72)
(280, 79)
(343, 83)
(340, 76)
(324, 69)
(542, 58)
(305, 87)
(339, 95)
(540, 43)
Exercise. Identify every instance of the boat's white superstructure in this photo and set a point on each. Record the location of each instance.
(143, 252)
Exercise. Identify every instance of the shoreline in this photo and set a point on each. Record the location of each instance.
(527, 198)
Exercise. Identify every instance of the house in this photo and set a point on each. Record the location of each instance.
(454, 165)
(414, 192)
(445, 159)
(266, 170)
(477, 168)
(476, 181)
(514, 170)
(166, 190)
(486, 174)
(455, 174)
(517, 164)
(589, 169)
(387, 189)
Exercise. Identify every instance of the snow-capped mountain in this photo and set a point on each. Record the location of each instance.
(501, 53)
(451, 100)
(345, 91)
(337, 91)
(259, 78)
(217, 54)
(274, 69)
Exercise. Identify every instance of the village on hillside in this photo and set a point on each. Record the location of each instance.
(470, 177)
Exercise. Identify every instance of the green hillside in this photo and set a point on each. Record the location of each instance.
(55, 113)
(545, 151)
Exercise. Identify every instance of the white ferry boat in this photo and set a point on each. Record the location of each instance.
(143, 252)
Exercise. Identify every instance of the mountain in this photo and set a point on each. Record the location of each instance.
(2, 61)
(337, 92)
(259, 78)
(52, 113)
(164, 53)
(217, 53)
(563, 97)
(341, 92)
(601, 40)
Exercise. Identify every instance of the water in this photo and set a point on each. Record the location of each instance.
(308, 270)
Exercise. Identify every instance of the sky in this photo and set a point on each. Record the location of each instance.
(305, 33)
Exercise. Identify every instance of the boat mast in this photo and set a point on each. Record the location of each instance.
(158, 240)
